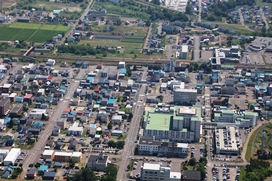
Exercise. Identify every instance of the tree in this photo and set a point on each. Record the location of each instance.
(111, 173)
(120, 144)
(192, 162)
(109, 126)
(112, 144)
(83, 175)
(10, 124)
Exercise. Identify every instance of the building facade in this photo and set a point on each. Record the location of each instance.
(179, 125)
(185, 96)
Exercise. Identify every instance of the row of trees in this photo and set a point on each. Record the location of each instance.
(86, 174)
(82, 49)
(257, 170)
(195, 67)
(117, 144)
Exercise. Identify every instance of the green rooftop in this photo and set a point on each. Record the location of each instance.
(158, 121)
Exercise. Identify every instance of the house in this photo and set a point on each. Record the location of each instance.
(4, 106)
(56, 131)
(49, 176)
(75, 130)
(38, 114)
(73, 144)
(48, 154)
(16, 110)
(31, 174)
(62, 123)
(63, 156)
(98, 162)
(43, 168)
(116, 119)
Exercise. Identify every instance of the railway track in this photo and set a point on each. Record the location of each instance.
(113, 61)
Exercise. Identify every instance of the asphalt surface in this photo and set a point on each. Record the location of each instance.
(196, 47)
(132, 134)
(36, 151)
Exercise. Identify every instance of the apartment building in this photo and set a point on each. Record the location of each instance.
(4, 106)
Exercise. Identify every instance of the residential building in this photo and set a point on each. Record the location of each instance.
(38, 114)
(184, 51)
(31, 174)
(179, 124)
(185, 96)
(75, 130)
(62, 123)
(63, 156)
(4, 106)
(48, 154)
(76, 157)
(98, 162)
(49, 176)
(242, 119)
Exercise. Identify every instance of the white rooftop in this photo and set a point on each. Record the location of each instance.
(63, 154)
(48, 152)
(175, 175)
(182, 145)
(151, 166)
(76, 154)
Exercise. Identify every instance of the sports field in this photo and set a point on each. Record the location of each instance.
(31, 32)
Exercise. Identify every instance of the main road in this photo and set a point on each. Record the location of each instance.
(36, 151)
(132, 133)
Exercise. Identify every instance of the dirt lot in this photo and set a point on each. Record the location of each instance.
(8, 3)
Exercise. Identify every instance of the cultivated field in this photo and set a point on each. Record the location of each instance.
(30, 32)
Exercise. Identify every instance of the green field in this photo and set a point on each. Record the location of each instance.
(30, 32)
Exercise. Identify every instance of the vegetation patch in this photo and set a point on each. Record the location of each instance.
(31, 32)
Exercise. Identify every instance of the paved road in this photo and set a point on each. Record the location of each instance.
(199, 10)
(132, 134)
(264, 18)
(75, 24)
(241, 16)
(148, 36)
(13, 70)
(196, 47)
(38, 148)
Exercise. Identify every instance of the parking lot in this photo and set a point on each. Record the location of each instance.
(253, 58)
(225, 173)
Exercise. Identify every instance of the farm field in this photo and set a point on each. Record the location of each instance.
(30, 32)
(113, 44)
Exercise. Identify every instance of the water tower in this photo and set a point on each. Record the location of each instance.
(263, 136)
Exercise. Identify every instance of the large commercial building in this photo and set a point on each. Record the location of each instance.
(185, 96)
(12, 156)
(242, 119)
(227, 141)
(179, 124)
(148, 146)
(157, 172)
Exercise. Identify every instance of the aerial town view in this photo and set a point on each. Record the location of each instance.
(144, 90)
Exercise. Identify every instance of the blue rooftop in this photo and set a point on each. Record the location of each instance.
(43, 168)
(90, 79)
(123, 71)
(111, 101)
(7, 120)
(19, 99)
(92, 126)
(56, 11)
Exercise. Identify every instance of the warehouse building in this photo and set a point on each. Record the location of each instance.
(12, 156)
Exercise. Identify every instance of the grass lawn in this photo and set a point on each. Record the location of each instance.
(261, 3)
(118, 10)
(252, 141)
(112, 44)
(242, 173)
